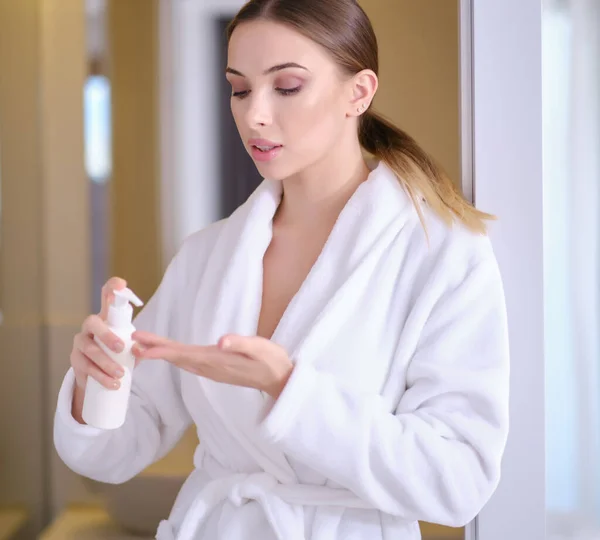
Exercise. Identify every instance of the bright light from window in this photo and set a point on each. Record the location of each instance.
(97, 117)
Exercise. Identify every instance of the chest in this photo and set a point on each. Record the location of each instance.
(364, 317)
(286, 265)
(348, 314)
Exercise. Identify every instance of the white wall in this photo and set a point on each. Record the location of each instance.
(508, 182)
(189, 116)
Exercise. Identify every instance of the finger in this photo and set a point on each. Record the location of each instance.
(174, 355)
(93, 352)
(79, 363)
(148, 339)
(115, 283)
(86, 368)
(95, 326)
(252, 346)
(189, 356)
(138, 351)
(105, 380)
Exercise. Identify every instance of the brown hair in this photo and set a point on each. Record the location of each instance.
(344, 29)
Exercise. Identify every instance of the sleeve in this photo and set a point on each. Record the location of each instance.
(156, 418)
(437, 457)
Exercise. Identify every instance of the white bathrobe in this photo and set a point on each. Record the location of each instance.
(397, 408)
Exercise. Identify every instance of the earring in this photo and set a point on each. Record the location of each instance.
(362, 108)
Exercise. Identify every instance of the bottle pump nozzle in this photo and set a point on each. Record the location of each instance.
(124, 296)
(120, 312)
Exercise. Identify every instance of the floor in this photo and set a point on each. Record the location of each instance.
(85, 523)
(11, 521)
(93, 523)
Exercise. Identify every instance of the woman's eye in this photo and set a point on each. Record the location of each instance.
(288, 91)
(283, 91)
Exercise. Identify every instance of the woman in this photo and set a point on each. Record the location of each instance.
(340, 341)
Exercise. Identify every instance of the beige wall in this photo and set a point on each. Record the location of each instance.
(21, 335)
(419, 72)
(136, 239)
(135, 204)
(45, 236)
(66, 234)
(44, 246)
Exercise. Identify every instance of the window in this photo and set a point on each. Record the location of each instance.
(571, 114)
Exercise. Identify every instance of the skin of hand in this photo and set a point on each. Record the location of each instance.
(249, 361)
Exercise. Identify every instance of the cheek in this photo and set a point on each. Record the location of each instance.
(237, 112)
(313, 122)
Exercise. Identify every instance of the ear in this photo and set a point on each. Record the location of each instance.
(362, 89)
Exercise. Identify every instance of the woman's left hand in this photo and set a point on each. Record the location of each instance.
(253, 362)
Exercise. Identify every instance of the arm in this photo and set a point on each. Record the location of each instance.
(156, 418)
(437, 457)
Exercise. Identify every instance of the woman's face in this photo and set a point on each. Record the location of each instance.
(289, 100)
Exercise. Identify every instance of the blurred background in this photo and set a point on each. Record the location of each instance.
(116, 142)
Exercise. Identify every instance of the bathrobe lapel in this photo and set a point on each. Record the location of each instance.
(232, 292)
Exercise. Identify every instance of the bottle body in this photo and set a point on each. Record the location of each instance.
(106, 408)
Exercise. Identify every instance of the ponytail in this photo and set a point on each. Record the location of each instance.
(418, 173)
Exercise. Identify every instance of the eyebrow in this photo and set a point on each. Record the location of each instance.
(273, 69)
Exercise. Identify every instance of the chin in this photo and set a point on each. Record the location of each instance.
(276, 171)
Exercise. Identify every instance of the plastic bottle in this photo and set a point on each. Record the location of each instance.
(106, 408)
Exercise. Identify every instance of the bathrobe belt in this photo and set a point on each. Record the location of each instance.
(282, 503)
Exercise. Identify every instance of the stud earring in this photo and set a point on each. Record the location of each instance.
(362, 108)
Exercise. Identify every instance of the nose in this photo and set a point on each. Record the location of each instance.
(259, 112)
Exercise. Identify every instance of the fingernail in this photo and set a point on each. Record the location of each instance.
(117, 346)
(225, 344)
(116, 385)
(119, 373)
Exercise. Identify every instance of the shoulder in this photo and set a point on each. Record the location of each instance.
(194, 251)
(202, 241)
(448, 255)
(451, 273)
(430, 239)
(459, 242)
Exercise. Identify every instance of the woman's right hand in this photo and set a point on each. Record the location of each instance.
(87, 358)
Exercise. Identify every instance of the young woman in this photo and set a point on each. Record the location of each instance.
(340, 341)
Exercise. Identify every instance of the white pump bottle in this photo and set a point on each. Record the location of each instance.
(106, 408)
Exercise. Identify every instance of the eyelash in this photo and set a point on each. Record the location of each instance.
(282, 91)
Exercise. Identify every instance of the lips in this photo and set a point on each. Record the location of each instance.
(264, 145)
(264, 149)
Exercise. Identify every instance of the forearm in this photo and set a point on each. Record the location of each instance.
(419, 466)
(155, 421)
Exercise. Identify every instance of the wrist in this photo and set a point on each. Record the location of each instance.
(277, 387)
(77, 403)
(80, 381)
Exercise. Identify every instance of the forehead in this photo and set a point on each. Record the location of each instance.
(258, 45)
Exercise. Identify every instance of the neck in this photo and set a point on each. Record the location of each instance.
(317, 195)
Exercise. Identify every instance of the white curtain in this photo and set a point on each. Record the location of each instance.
(571, 102)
